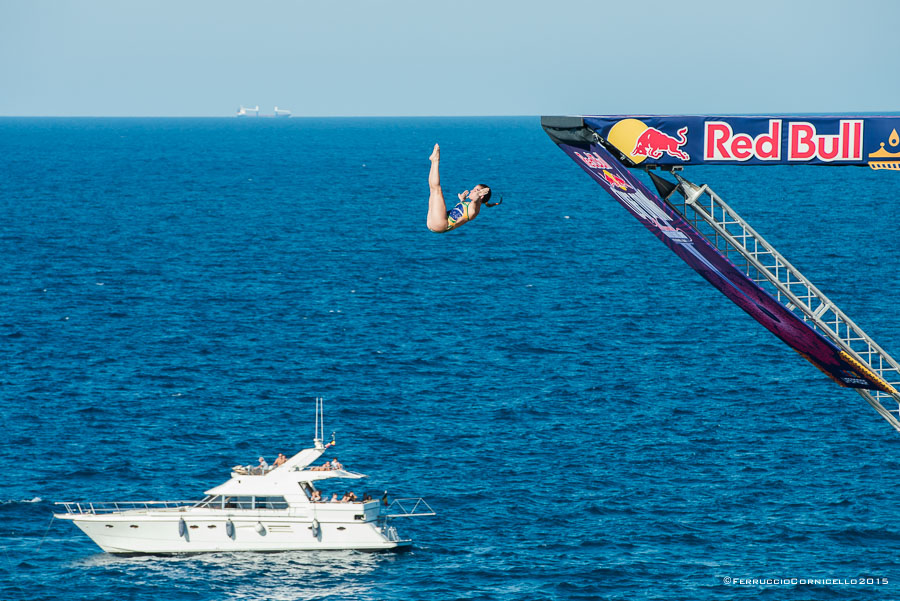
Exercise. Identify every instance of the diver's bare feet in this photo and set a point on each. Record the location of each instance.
(435, 154)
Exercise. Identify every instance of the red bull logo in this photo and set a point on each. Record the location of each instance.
(593, 160)
(615, 181)
(652, 143)
(722, 143)
(683, 139)
(804, 143)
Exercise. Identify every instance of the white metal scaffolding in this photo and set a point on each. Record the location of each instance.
(762, 263)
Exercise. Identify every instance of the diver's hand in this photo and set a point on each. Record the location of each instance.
(462, 195)
(436, 153)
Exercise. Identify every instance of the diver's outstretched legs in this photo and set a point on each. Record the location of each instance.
(437, 209)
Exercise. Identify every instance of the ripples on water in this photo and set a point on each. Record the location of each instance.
(588, 417)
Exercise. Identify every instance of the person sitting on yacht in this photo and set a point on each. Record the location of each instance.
(334, 499)
(280, 460)
(316, 497)
(263, 466)
(336, 465)
(366, 498)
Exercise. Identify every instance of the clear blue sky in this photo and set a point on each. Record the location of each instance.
(485, 57)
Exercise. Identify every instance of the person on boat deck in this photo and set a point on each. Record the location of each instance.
(280, 460)
(263, 465)
(334, 499)
(316, 497)
(441, 220)
(335, 464)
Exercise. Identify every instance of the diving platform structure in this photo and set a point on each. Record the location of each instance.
(762, 263)
(709, 235)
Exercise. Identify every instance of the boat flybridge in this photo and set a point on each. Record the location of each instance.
(257, 509)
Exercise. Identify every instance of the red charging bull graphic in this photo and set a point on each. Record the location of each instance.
(615, 181)
(653, 143)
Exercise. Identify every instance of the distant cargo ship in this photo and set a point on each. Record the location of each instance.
(245, 111)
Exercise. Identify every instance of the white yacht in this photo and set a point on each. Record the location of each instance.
(257, 509)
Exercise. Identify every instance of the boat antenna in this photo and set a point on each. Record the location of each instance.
(320, 423)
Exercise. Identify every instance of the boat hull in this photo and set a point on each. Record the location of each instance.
(163, 534)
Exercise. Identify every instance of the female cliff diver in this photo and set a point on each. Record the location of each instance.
(441, 220)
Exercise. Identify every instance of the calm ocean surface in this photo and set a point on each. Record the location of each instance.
(589, 418)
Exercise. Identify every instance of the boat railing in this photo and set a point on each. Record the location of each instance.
(407, 508)
(94, 508)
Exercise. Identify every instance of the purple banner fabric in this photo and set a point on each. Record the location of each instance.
(689, 244)
(736, 140)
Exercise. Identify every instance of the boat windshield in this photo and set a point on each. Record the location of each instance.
(242, 502)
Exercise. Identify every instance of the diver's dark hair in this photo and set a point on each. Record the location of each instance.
(487, 197)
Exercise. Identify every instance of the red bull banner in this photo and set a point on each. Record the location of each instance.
(732, 140)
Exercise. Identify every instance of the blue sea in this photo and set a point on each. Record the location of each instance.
(587, 416)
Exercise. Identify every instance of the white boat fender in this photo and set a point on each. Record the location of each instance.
(229, 529)
(182, 527)
(260, 529)
(315, 528)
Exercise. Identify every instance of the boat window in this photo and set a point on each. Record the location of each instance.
(307, 488)
(213, 501)
(271, 503)
(238, 502)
